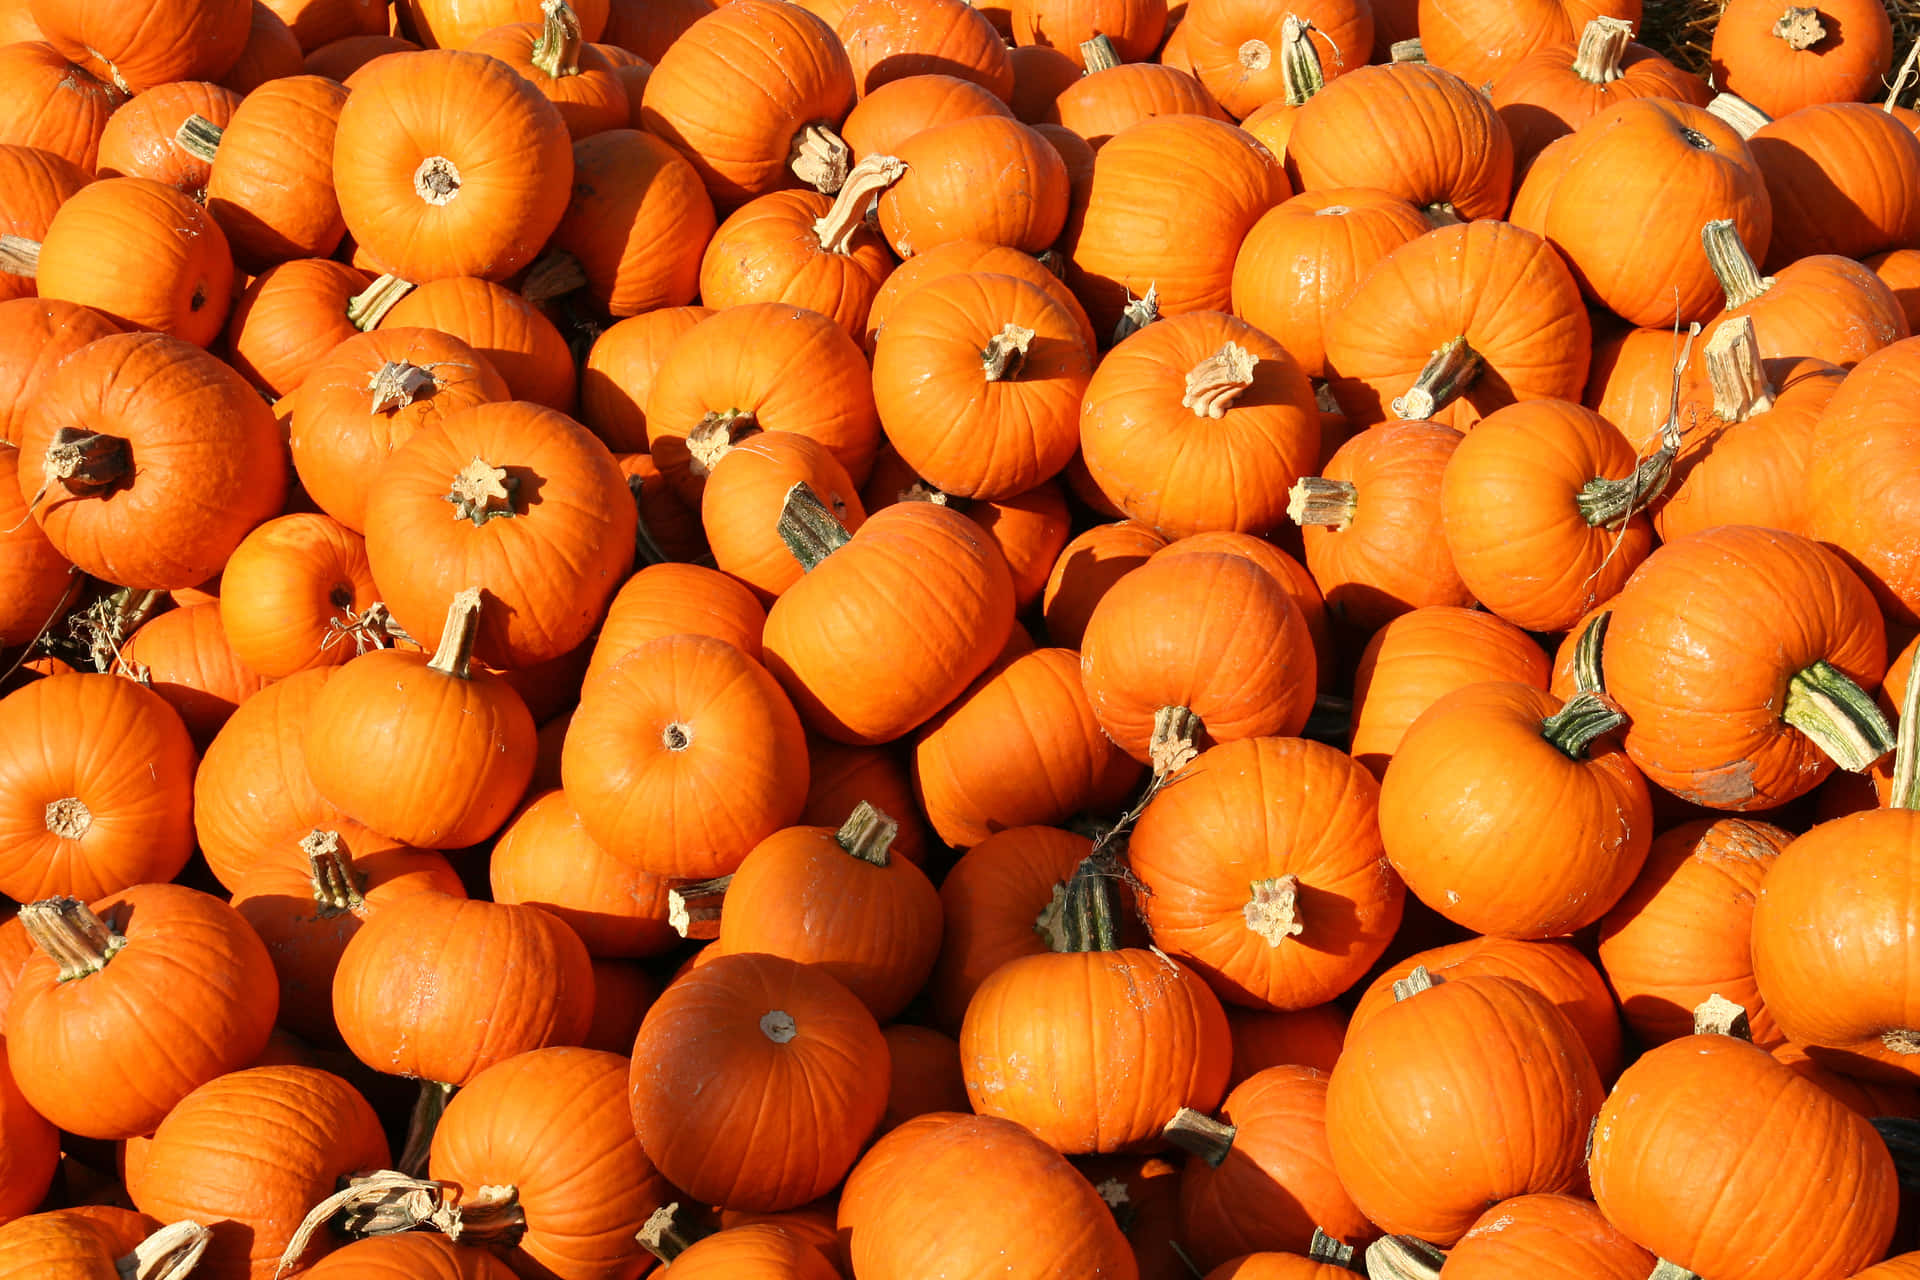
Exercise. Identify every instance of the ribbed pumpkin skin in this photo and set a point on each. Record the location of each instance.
(889, 40)
(1277, 1266)
(144, 255)
(1262, 1038)
(1690, 1113)
(748, 1035)
(283, 587)
(1549, 1237)
(1253, 811)
(740, 506)
(894, 112)
(513, 174)
(1904, 1267)
(149, 45)
(1684, 931)
(1862, 444)
(619, 370)
(1702, 644)
(769, 251)
(514, 336)
(187, 661)
(945, 1192)
(441, 988)
(585, 1194)
(36, 334)
(54, 106)
(1841, 177)
(70, 1244)
(249, 1153)
(35, 579)
(754, 1251)
(409, 1256)
(967, 255)
(271, 186)
(29, 1157)
(37, 183)
(1423, 1143)
(637, 221)
(290, 318)
(985, 178)
(545, 857)
(1748, 59)
(677, 599)
(124, 754)
(1483, 42)
(732, 92)
(1544, 96)
(454, 24)
(847, 613)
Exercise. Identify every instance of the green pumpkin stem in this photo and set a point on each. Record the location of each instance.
(820, 158)
(1585, 716)
(199, 137)
(428, 1106)
(1606, 503)
(1217, 381)
(1098, 54)
(1328, 504)
(1906, 747)
(557, 51)
(1589, 651)
(1733, 266)
(366, 309)
(1200, 1135)
(67, 931)
(809, 528)
(671, 1230)
(337, 887)
(1421, 979)
(1445, 378)
(19, 256)
(1403, 1258)
(1006, 353)
(1272, 909)
(1602, 45)
(1301, 74)
(1737, 372)
(1719, 1016)
(1664, 1270)
(693, 908)
(1337, 1253)
(1842, 718)
(171, 1253)
(454, 657)
(1082, 920)
(868, 834)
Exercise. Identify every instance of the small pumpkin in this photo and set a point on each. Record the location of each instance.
(1551, 1235)
(1782, 57)
(113, 42)
(636, 223)
(142, 139)
(545, 857)
(619, 370)
(271, 186)
(290, 318)
(677, 599)
(799, 247)
(55, 106)
(184, 656)
(514, 335)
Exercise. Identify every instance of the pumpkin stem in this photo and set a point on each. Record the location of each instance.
(491, 1216)
(397, 384)
(693, 909)
(557, 51)
(1175, 741)
(377, 1204)
(555, 274)
(715, 434)
(1441, 213)
(1316, 500)
(1006, 353)
(1908, 72)
(1137, 314)
(1588, 652)
(1732, 265)
(820, 158)
(1216, 382)
(1421, 979)
(1906, 748)
(68, 932)
(69, 818)
(670, 1231)
(168, 1254)
(87, 463)
(1602, 45)
(1200, 1135)
(428, 1106)
(436, 181)
(19, 256)
(848, 213)
(366, 309)
(1324, 1248)
(1403, 1258)
(1446, 377)
(337, 887)
(1606, 503)
(483, 492)
(1842, 718)
(868, 834)
(1098, 54)
(809, 529)
(1272, 910)
(1301, 73)
(1719, 1016)
(1407, 51)
(1739, 376)
(921, 491)
(1585, 717)
(1664, 1270)
(1737, 114)
(1901, 1040)
(1086, 919)
(1800, 28)
(454, 657)
(199, 137)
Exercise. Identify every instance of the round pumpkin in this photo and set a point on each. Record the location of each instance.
(114, 41)
(142, 254)
(1552, 1236)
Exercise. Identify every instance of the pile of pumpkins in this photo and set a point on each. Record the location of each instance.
(1260, 639)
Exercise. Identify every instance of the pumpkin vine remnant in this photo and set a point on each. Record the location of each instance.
(66, 930)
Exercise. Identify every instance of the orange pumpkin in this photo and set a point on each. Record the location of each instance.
(677, 599)
(53, 105)
(986, 178)
(898, 109)
(961, 256)
(888, 40)
(1482, 43)
(517, 339)
(992, 902)
(455, 24)
(290, 318)
(545, 857)
(554, 56)
(183, 655)
(29, 1157)
(619, 371)
(1110, 97)
(1550, 1236)
(292, 592)
(35, 184)
(35, 579)
(747, 484)
(636, 223)
(1135, 27)
(141, 139)
(113, 41)
(1861, 445)
(271, 186)
(1784, 58)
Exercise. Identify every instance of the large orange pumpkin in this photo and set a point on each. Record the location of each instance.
(271, 186)
(139, 46)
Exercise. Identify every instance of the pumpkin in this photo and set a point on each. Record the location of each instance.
(986, 178)
(1283, 569)
(1171, 200)
(341, 59)
(1277, 1266)
(900, 108)
(29, 1157)
(762, 1030)
(1666, 147)
(53, 105)
(1899, 269)
(953, 1191)
(677, 599)
(1631, 381)
(798, 247)
(249, 1153)
(1417, 131)
(183, 656)
(619, 371)
(369, 396)
(1030, 529)
(293, 593)
(992, 902)
(1370, 524)
(1456, 1140)
(112, 40)
(684, 754)
(1112, 96)
(753, 1251)
(141, 140)
(94, 1242)
(860, 591)
(545, 857)
(765, 366)
(1814, 162)
(1684, 930)
(889, 40)
(429, 195)
(1859, 445)
(142, 254)
(455, 24)
(1784, 57)
(543, 527)
(409, 1256)
(514, 336)
(1214, 636)
(1482, 43)
(839, 902)
(271, 185)
(1041, 73)
(1262, 1038)
(1087, 569)
(290, 318)
(636, 222)
(1237, 49)
(36, 582)
(1134, 27)
(97, 773)
(1553, 1236)
(1459, 323)
(427, 751)
(958, 256)
(926, 1074)
(1264, 871)
(747, 485)
(174, 987)
(1663, 1116)
(1739, 655)
(1551, 92)
(1020, 747)
(554, 56)
(1303, 259)
(978, 382)
(841, 776)
(649, 27)
(37, 183)
(751, 96)
(319, 22)
(272, 52)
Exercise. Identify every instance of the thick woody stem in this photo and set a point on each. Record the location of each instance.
(482, 492)
(1272, 909)
(1602, 45)
(1733, 266)
(693, 909)
(171, 1253)
(555, 274)
(1906, 748)
(1737, 373)
(671, 1230)
(848, 212)
(868, 834)
(1200, 1135)
(1737, 114)
(1324, 1248)
(369, 307)
(1842, 718)
(1403, 1258)
(1085, 921)
(820, 158)
(1098, 54)
(1605, 503)
(337, 887)
(455, 654)
(1801, 28)
(1446, 377)
(1421, 979)
(1664, 1270)
(1719, 1016)
(1316, 500)
(809, 528)
(19, 256)
(397, 384)
(1216, 382)
(1585, 716)
(1175, 741)
(67, 932)
(557, 51)
(714, 436)
(1137, 314)
(1006, 353)
(1588, 651)
(87, 463)
(1407, 51)
(199, 137)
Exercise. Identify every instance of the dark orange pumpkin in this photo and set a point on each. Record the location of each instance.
(53, 105)
(993, 902)
(545, 857)
(677, 599)
(290, 318)
(637, 222)
(271, 186)
(35, 184)
(183, 655)
(517, 339)
(114, 42)
(554, 56)
(619, 370)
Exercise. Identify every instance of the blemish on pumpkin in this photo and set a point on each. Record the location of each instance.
(1901, 1040)
(69, 818)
